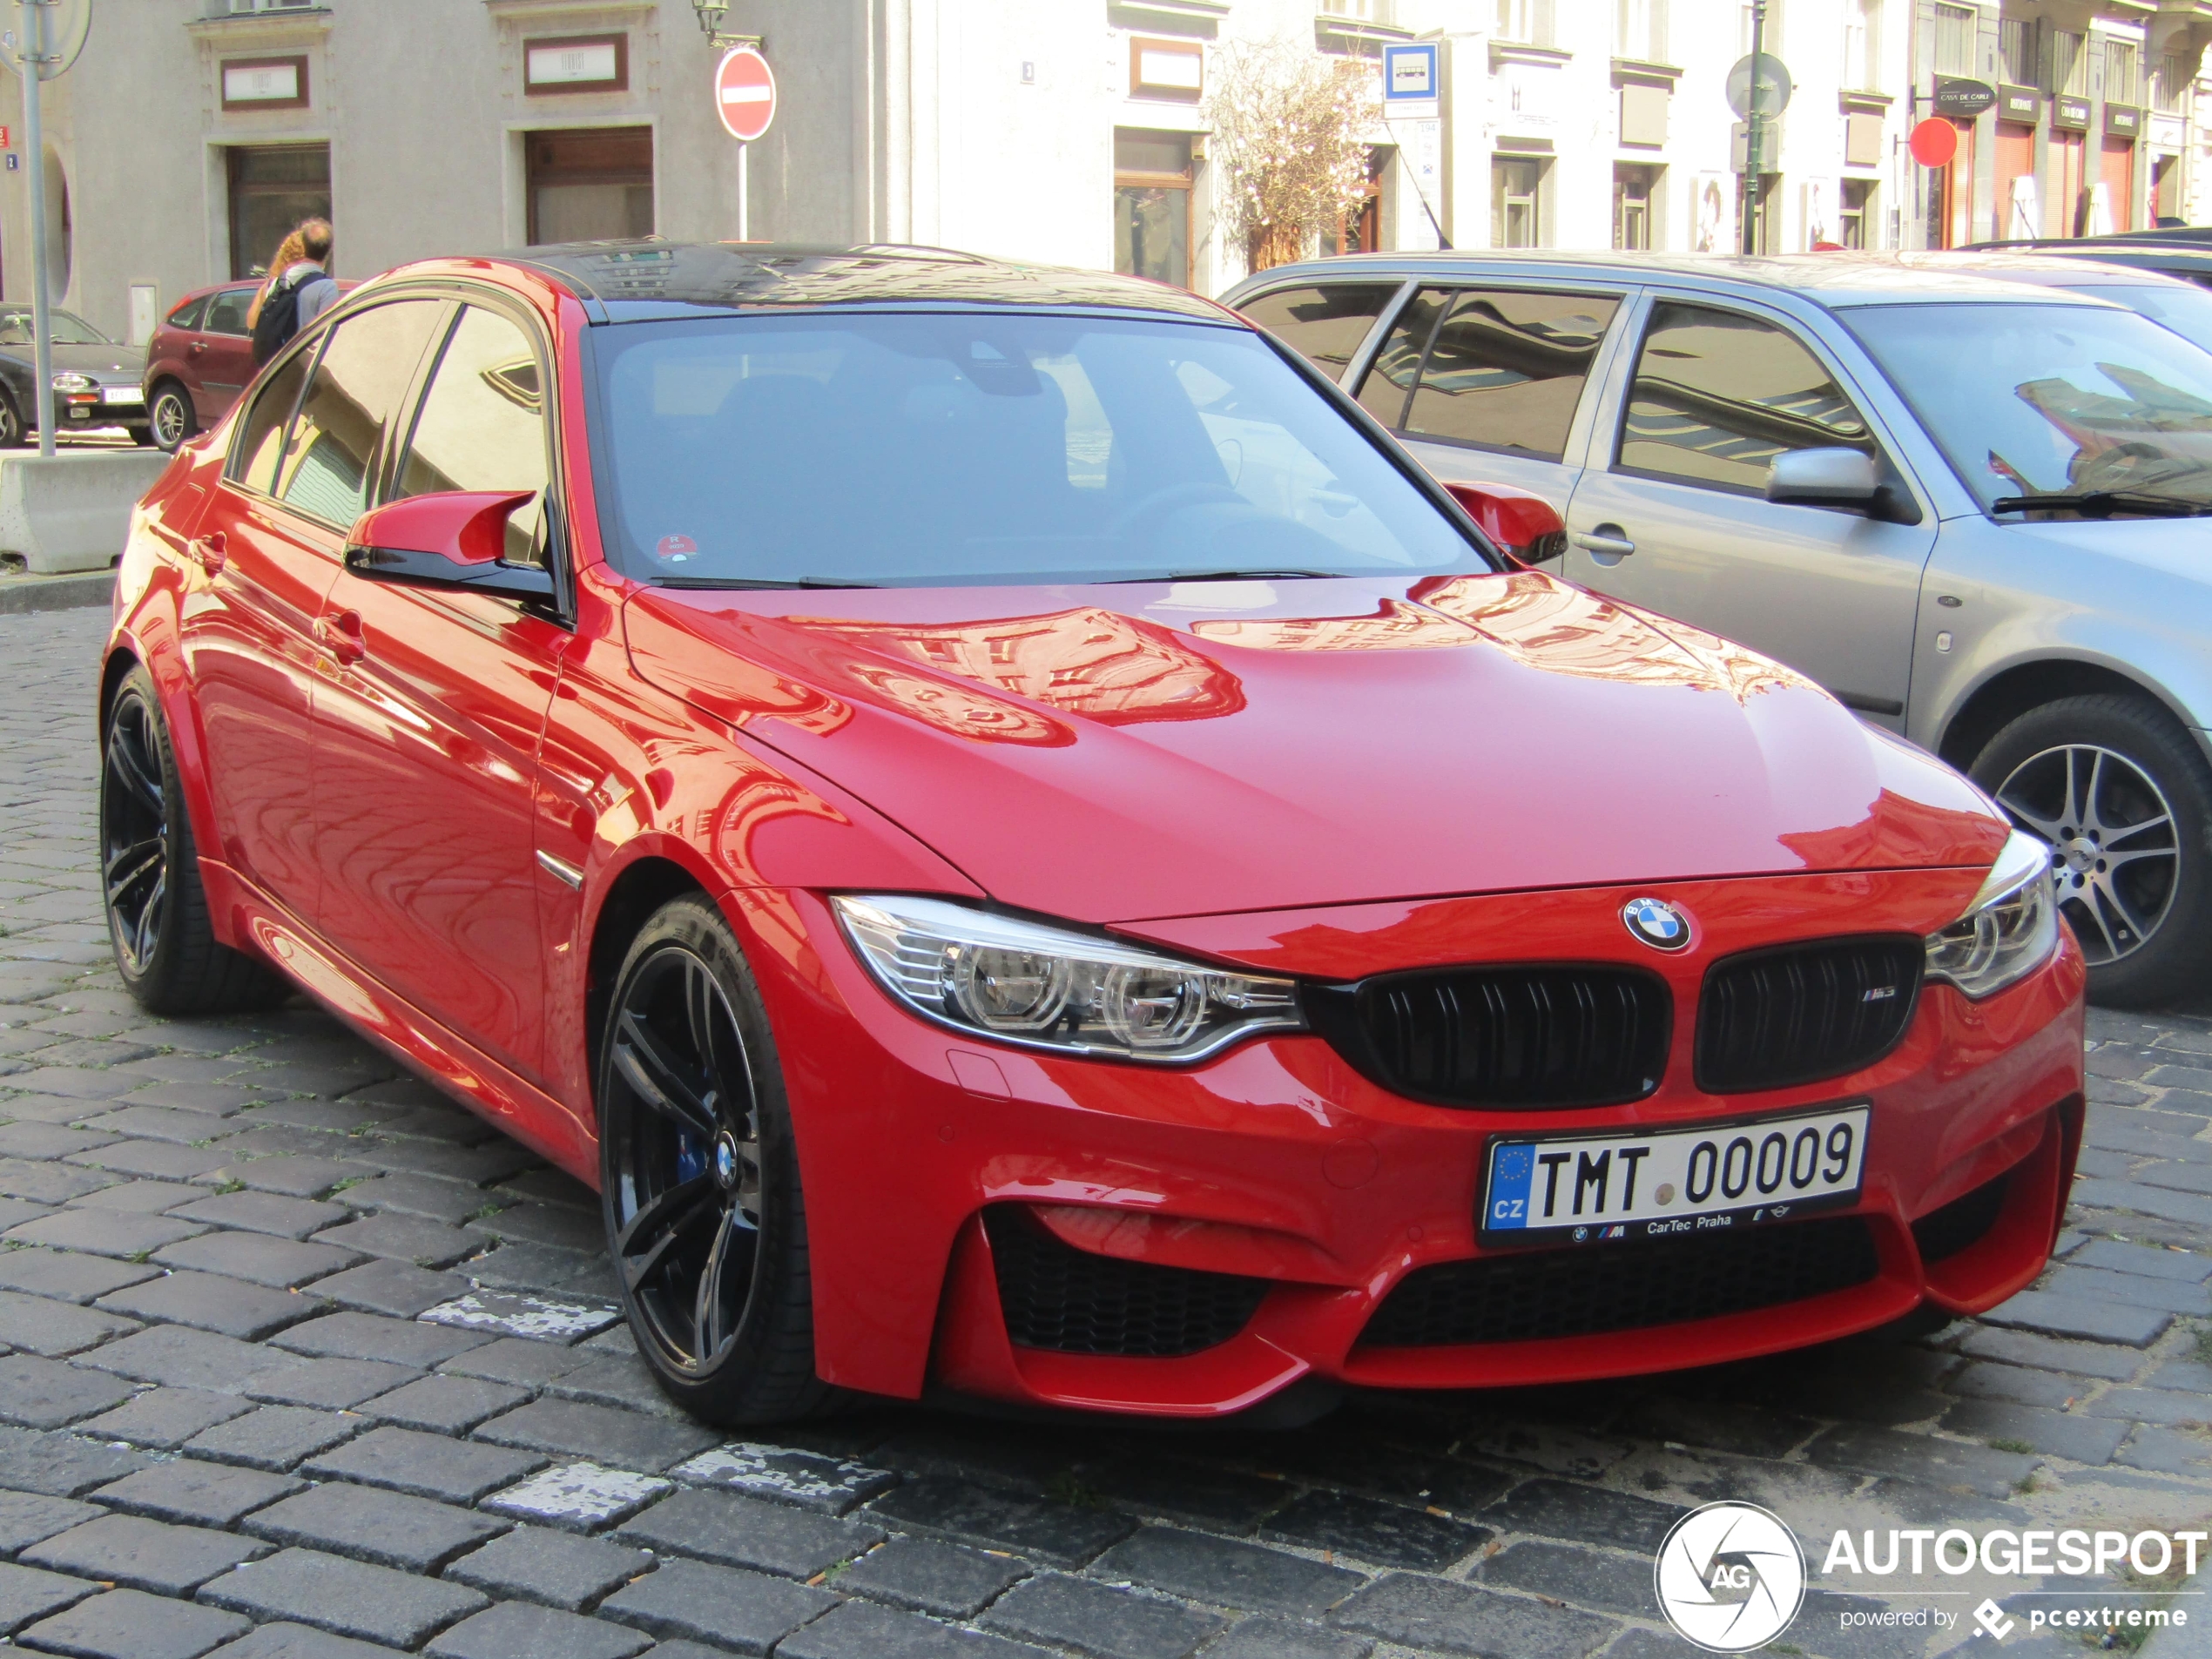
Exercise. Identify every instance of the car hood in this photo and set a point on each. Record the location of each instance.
(111, 364)
(2174, 547)
(1119, 753)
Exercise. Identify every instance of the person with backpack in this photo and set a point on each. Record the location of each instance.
(299, 289)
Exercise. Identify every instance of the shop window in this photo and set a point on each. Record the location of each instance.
(1855, 214)
(589, 184)
(1152, 206)
(273, 188)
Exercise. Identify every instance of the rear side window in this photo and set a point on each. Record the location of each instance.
(227, 311)
(260, 439)
(187, 314)
(1718, 395)
(1322, 325)
(1398, 365)
(370, 359)
(1507, 369)
(482, 423)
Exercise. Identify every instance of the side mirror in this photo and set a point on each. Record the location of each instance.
(1526, 526)
(1837, 477)
(451, 539)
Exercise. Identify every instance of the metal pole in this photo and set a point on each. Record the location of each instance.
(34, 64)
(745, 214)
(1751, 130)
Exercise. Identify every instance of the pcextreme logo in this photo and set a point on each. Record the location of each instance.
(1730, 1576)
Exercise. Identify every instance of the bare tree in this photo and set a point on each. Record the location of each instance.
(1287, 125)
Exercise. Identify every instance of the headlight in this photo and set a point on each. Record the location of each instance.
(2010, 928)
(1043, 988)
(70, 381)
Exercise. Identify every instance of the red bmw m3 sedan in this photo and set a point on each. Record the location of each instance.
(1030, 853)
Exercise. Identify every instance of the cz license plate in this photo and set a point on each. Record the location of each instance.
(123, 394)
(1584, 1189)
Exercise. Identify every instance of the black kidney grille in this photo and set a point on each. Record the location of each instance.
(1070, 1301)
(1503, 1036)
(1768, 1019)
(1943, 1233)
(1548, 1293)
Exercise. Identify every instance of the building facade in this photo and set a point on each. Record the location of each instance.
(191, 134)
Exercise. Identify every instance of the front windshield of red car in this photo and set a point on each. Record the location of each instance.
(895, 449)
(2031, 399)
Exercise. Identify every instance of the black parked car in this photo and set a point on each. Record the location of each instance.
(96, 382)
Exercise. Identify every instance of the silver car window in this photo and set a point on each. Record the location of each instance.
(2182, 307)
(2027, 398)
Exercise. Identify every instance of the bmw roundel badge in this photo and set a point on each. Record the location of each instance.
(1657, 923)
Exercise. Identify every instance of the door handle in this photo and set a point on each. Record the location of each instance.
(339, 633)
(210, 552)
(198, 346)
(1606, 542)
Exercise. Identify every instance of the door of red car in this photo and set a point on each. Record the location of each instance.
(245, 631)
(220, 360)
(427, 732)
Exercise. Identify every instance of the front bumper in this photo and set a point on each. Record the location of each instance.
(109, 406)
(1276, 1161)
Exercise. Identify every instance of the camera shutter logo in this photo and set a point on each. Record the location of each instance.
(1730, 1576)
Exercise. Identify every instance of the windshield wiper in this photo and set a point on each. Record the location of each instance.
(703, 583)
(1224, 576)
(2103, 503)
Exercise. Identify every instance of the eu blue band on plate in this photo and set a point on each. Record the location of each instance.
(1510, 1176)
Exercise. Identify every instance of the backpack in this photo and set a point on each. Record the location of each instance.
(280, 317)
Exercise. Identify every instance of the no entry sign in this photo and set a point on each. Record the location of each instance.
(745, 93)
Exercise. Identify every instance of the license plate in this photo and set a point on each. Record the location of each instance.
(1587, 1189)
(123, 394)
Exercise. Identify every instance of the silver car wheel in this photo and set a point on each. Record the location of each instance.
(169, 418)
(2117, 854)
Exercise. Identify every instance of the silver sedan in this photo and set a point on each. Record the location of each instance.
(1961, 504)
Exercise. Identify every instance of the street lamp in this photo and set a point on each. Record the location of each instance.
(711, 13)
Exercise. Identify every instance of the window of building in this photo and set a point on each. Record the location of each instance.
(2120, 59)
(1323, 325)
(1955, 27)
(1855, 213)
(1718, 397)
(2166, 190)
(1525, 23)
(2020, 51)
(1506, 369)
(2169, 84)
(1358, 227)
(482, 425)
(1863, 46)
(273, 188)
(1152, 206)
(587, 184)
(1635, 190)
(2069, 63)
(1640, 30)
(367, 363)
(1382, 11)
(1517, 204)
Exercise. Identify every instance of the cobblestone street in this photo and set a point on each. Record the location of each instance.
(302, 1361)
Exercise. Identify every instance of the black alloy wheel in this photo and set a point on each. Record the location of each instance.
(700, 1181)
(156, 911)
(2124, 796)
(13, 433)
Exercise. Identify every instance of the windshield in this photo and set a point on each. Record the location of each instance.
(2036, 398)
(15, 329)
(924, 449)
(2182, 307)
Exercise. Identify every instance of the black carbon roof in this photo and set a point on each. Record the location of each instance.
(651, 273)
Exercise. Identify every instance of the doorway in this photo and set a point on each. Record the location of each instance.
(273, 188)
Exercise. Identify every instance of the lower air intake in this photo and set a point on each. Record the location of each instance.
(1943, 1233)
(1070, 1301)
(1632, 1286)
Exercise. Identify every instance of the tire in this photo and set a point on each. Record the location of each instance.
(13, 433)
(2107, 778)
(705, 1219)
(150, 888)
(170, 416)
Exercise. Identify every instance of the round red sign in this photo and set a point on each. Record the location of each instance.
(745, 93)
(1934, 142)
